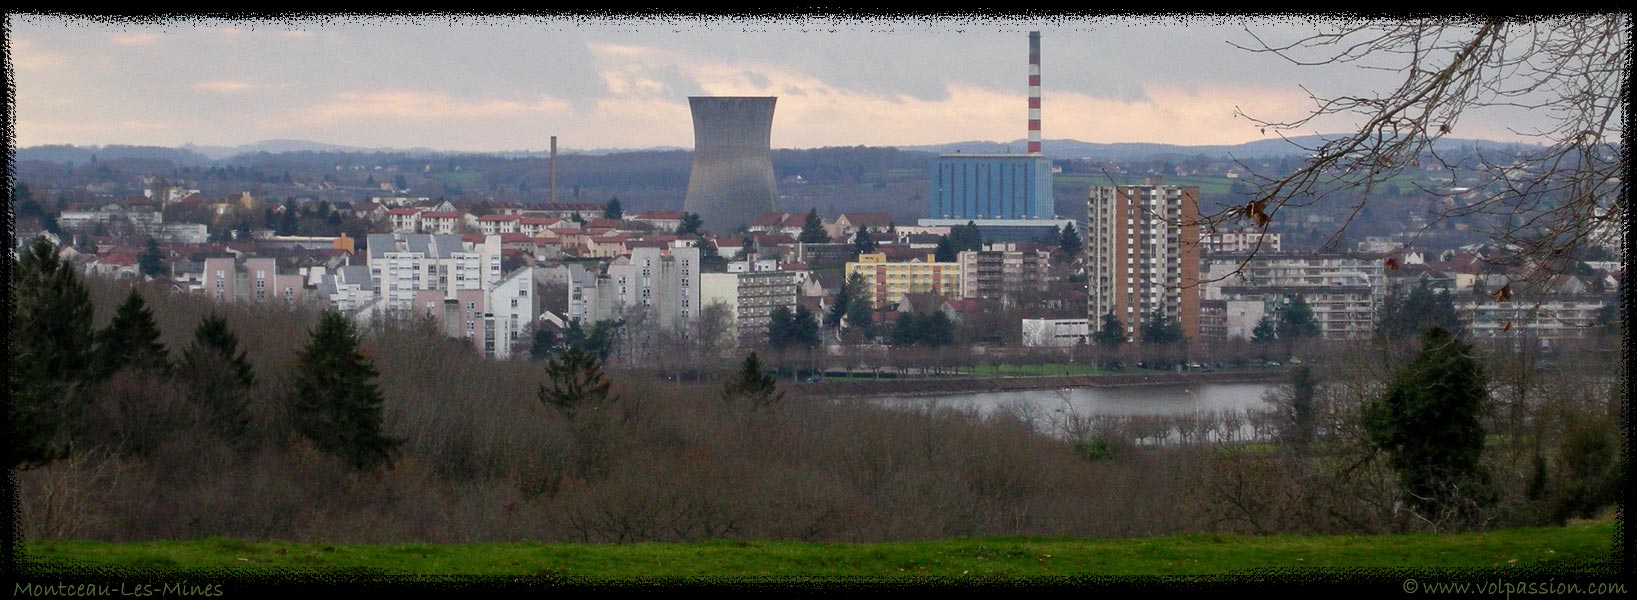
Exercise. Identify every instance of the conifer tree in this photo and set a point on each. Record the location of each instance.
(1427, 424)
(131, 340)
(946, 250)
(812, 230)
(152, 260)
(864, 241)
(50, 344)
(1069, 244)
(218, 376)
(337, 404)
(577, 383)
(753, 386)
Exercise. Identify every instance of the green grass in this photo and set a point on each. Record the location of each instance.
(1573, 548)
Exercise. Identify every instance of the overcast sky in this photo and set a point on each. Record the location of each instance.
(508, 83)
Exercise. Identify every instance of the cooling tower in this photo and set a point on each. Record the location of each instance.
(732, 178)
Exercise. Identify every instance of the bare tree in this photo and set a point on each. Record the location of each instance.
(1539, 204)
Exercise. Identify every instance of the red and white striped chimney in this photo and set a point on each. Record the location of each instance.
(1034, 92)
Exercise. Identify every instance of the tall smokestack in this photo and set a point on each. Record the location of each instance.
(1034, 92)
(554, 168)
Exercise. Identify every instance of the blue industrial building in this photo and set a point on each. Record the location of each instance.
(991, 186)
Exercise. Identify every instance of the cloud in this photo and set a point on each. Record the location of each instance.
(27, 55)
(223, 86)
(420, 106)
(140, 38)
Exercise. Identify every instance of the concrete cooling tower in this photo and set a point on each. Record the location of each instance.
(732, 178)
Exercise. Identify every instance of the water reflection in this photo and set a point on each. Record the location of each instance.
(1157, 414)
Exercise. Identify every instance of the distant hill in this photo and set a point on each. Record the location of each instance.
(85, 154)
(1295, 146)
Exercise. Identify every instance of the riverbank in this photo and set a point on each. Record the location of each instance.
(980, 385)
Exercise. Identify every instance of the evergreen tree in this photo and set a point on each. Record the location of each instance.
(130, 340)
(1297, 414)
(710, 259)
(577, 384)
(860, 311)
(780, 334)
(946, 250)
(1406, 316)
(812, 230)
(1158, 329)
(804, 328)
(542, 344)
(152, 260)
(840, 306)
(1112, 332)
(1068, 244)
(598, 342)
(50, 331)
(1296, 321)
(937, 330)
(1265, 332)
(691, 222)
(1427, 424)
(863, 242)
(337, 404)
(218, 376)
(967, 237)
(612, 210)
(906, 331)
(752, 385)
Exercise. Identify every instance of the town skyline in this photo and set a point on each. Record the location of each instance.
(496, 84)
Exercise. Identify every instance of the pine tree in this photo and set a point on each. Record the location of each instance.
(812, 230)
(50, 331)
(779, 333)
(612, 210)
(1068, 244)
(152, 260)
(219, 377)
(1427, 424)
(1297, 413)
(691, 222)
(860, 311)
(1112, 332)
(752, 385)
(131, 340)
(946, 250)
(1265, 331)
(578, 385)
(840, 306)
(1296, 321)
(906, 331)
(863, 241)
(1406, 316)
(937, 330)
(337, 404)
(804, 328)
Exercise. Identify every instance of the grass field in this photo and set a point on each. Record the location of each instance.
(1577, 549)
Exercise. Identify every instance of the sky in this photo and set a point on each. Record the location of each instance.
(494, 83)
